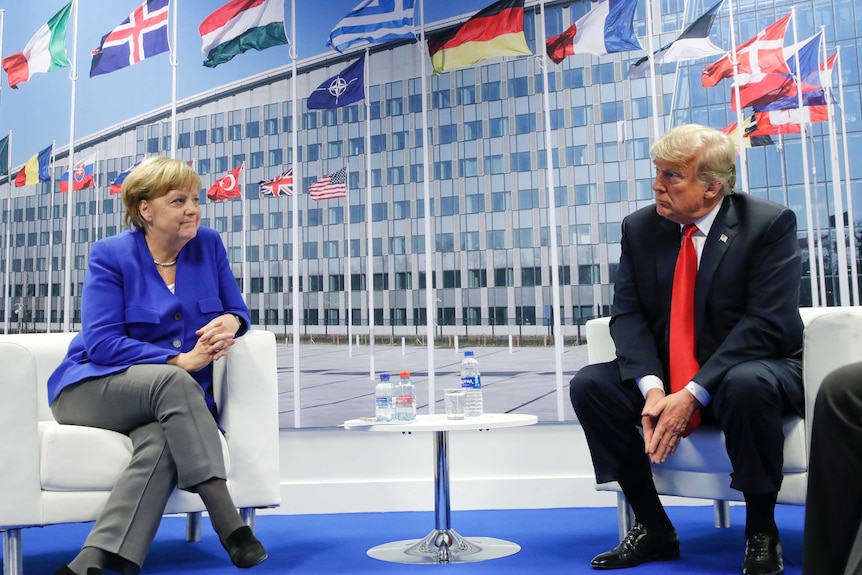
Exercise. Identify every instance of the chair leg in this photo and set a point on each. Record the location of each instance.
(722, 514)
(13, 558)
(248, 514)
(625, 515)
(193, 526)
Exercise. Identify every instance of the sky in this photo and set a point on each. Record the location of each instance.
(39, 111)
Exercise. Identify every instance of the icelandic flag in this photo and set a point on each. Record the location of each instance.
(374, 22)
(340, 90)
(83, 175)
(117, 184)
(143, 34)
(605, 29)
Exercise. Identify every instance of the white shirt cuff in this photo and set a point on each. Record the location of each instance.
(699, 393)
(649, 382)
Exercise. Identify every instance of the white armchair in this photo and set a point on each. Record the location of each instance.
(700, 468)
(52, 473)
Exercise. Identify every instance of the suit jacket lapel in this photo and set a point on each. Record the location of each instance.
(666, 249)
(721, 235)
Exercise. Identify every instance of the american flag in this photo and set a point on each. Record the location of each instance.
(330, 187)
(279, 185)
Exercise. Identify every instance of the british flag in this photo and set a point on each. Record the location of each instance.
(279, 185)
(143, 34)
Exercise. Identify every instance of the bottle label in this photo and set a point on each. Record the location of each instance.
(404, 401)
(471, 382)
(382, 402)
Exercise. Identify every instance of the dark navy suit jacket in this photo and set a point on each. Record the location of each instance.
(746, 295)
(129, 316)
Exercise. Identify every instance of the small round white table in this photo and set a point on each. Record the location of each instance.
(443, 544)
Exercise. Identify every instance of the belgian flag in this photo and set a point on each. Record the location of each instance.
(498, 30)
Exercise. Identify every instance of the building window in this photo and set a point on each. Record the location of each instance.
(504, 277)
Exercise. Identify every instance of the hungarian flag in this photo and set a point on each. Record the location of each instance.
(497, 30)
(36, 169)
(46, 51)
(227, 187)
(281, 185)
(692, 44)
(605, 29)
(83, 176)
(239, 26)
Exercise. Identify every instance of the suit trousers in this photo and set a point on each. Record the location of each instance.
(833, 510)
(749, 406)
(175, 442)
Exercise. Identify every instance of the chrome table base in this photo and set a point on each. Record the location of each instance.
(443, 546)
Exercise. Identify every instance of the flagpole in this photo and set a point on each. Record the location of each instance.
(348, 274)
(50, 246)
(426, 203)
(174, 64)
(369, 248)
(740, 142)
(840, 247)
(244, 212)
(818, 231)
(652, 81)
(294, 235)
(67, 276)
(552, 221)
(812, 254)
(850, 217)
(7, 315)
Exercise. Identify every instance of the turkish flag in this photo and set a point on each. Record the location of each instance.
(227, 187)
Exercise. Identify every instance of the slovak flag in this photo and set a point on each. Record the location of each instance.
(143, 34)
(605, 29)
(227, 187)
(83, 176)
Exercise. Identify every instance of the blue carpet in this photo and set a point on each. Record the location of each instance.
(551, 540)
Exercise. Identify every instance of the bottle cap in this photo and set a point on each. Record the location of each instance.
(384, 377)
(468, 354)
(405, 374)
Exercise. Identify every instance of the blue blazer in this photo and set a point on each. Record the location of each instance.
(130, 317)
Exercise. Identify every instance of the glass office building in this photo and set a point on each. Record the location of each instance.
(487, 170)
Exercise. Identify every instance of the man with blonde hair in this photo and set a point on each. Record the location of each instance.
(707, 329)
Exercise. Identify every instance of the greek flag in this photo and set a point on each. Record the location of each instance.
(374, 22)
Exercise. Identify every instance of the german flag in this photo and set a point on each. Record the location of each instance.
(498, 30)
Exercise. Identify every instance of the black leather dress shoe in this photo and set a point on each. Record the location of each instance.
(64, 570)
(243, 548)
(639, 546)
(763, 555)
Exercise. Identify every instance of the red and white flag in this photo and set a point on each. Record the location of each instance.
(761, 54)
(227, 187)
(787, 121)
(330, 187)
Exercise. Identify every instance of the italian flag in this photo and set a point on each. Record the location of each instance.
(44, 52)
(242, 25)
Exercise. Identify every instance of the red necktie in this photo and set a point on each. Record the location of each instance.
(683, 362)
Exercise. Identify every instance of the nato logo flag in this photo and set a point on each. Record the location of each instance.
(340, 90)
(143, 34)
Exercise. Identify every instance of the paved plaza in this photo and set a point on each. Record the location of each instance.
(336, 386)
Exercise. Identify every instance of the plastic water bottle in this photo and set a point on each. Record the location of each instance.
(384, 399)
(471, 381)
(405, 400)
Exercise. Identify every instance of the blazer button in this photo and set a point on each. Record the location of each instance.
(177, 343)
(178, 315)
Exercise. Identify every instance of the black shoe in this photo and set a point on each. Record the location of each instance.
(639, 546)
(763, 555)
(244, 549)
(64, 570)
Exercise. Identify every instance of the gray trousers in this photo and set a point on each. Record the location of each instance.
(175, 444)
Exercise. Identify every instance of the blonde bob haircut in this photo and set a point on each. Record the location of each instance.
(711, 151)
(152, 179)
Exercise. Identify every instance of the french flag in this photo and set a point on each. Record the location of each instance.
(606, 29)
(83, 176)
